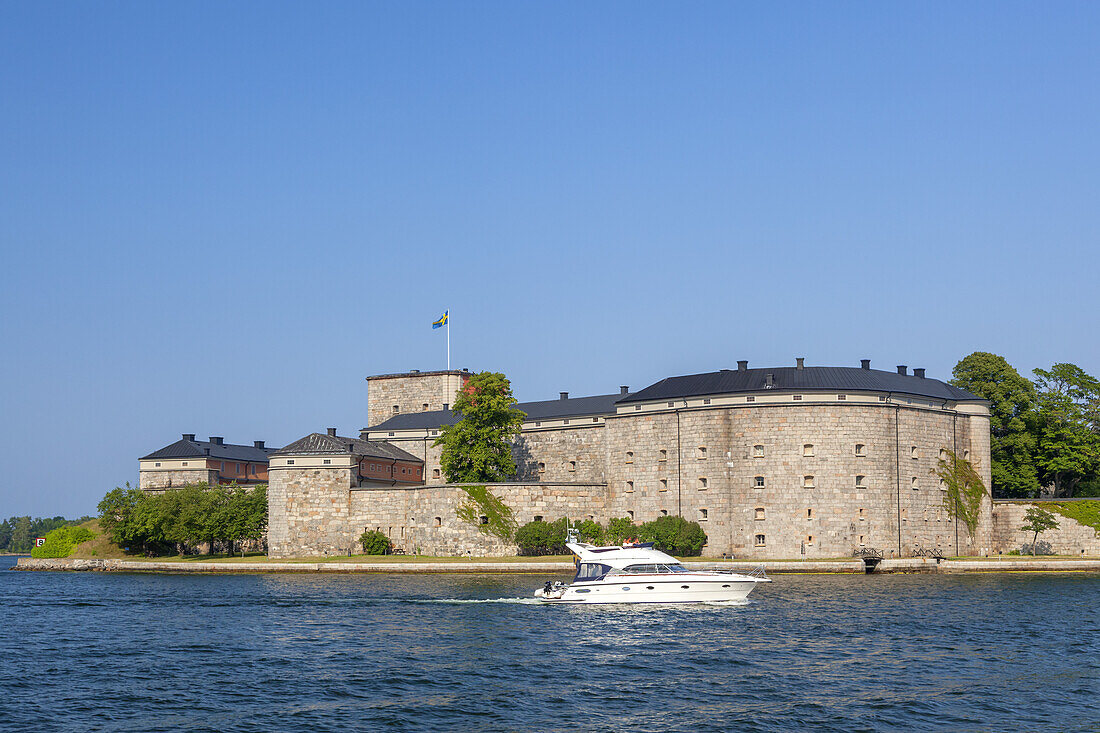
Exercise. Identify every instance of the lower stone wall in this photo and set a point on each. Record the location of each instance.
(308, 512)
(161, 480)
(422, 518)
(1071, 538)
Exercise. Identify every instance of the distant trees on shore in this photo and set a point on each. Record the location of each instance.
(1045, 434)
(17, 533)
(179, 519)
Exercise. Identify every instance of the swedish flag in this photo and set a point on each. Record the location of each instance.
(441, 322)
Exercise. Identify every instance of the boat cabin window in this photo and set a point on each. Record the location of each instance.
(643, 569)
(591, 571)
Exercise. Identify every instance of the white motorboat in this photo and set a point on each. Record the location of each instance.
(638, 573)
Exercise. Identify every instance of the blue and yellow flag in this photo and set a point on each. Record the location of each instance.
(442, 321)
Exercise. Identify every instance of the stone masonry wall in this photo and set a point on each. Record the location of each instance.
(309, 512)
(1071, 538)
(569, 454)
(422, 518)
(712, 477)
(410, 392)
(161, 480)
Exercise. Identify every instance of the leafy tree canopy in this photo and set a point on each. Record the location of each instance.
(1067, 427)
(478, 448)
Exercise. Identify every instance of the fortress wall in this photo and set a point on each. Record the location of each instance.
(422, 518)
(569, 454)
(1071, 538)
(826, 517)
(410, 392)
(158, 480)
(309, 512)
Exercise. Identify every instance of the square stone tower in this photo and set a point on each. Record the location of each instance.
(414, 391)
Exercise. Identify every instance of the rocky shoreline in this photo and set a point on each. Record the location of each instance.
(855, 566)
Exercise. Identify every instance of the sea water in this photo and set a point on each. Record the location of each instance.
(308, 652)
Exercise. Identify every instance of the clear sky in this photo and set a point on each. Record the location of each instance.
(219, 218)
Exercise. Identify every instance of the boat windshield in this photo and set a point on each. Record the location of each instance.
(653, 569)
(591, 571)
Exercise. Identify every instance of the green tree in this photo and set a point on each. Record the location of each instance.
(674, 535)
(478, 448)
(1012, 406)
(116, 515)
(375, 543)
(621, 529)
(965, 491)
(1038, 520)
(542, 538)
(1067, 426)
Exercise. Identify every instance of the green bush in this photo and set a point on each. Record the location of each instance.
(375, 543)
(620, 530)
(674, 535)
(591, 532)
(61, 542)
(542, 538)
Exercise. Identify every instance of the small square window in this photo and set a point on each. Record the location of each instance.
(572, 465)
(943, 485)
(538, 424)
(913, 453)
(637, 407)
(859, 482)
(706, 401)
(701, 452)
(538, 517)
(861, 542)
(809, 539)
(808, 450)
(966, 455)
(289, 462)
(861, 450)
(943, 454)
(439, 521)
(326, 462)
(808, 482)
(156, 465)
(862, 514)
(542, 467)
(664, 512)
(396, 409)
(750, 398)
(702, 515)
(671, 404)
(759, 514)
(663, 485)
(809, 514)
(758, 482)
(663, 455)
(424, 407)
(391, 434)
(882, 398)
(185, 463)
(435, 473)
(759, 540)
(702, 483)
(758, 451)
(842, 396)
(595, 419)
(797, 397)
(564, 422)
(630, 514)
(630, 456)
(629, 487)
(913, 483)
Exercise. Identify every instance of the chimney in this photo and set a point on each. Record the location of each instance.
(902, 368)
(465, 369)
(258, 443)
(769, 380)
(799, 363)
(188, 436)
(564, 395)
(216, 439)
(865, 363)
(332, 432)
(623, 389)
(743, 365)
(918, 372)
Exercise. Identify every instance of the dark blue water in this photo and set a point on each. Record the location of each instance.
(90, 651)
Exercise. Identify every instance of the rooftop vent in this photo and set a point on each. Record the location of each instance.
(865, 363)
(465, 369)
(258, 443)
(769, 381)
(332, 432)
(188, 436)
(564, 395)
(216, 439)
(623, 389)
(800, 363)
(743, 365)
(902, 369)
(918, 372)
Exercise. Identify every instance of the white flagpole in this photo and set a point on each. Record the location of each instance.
(448, 340)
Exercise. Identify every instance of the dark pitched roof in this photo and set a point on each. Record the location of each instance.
(789, 379)
(188, 448)
(321, 444)
(544, 410)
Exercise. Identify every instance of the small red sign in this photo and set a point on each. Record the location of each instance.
(39, 541)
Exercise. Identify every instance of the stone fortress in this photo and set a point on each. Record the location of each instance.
(773, 463)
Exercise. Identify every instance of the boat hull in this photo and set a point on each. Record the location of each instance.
(656, 590)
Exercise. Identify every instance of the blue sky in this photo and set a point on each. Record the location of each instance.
(220, 217)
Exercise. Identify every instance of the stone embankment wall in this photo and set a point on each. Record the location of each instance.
(324, 515)
(157, 481)
(1071, 538)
